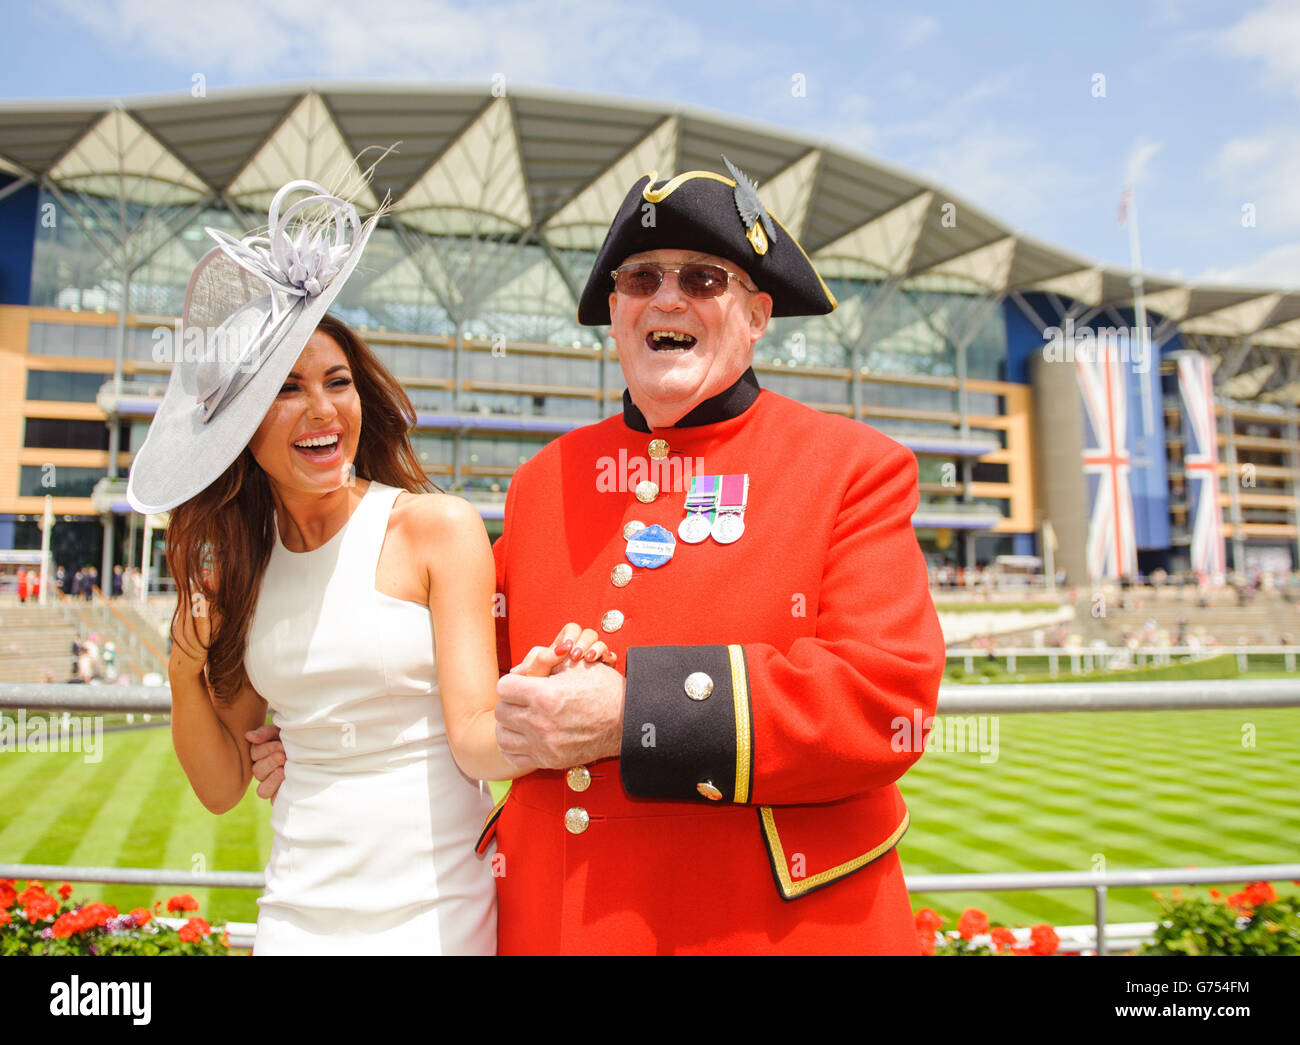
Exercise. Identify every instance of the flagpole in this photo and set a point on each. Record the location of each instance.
(47, 525)
(1140, 318)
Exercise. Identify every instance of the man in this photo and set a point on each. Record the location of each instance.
(730, 787)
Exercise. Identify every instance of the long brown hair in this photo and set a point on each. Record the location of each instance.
(219, 542)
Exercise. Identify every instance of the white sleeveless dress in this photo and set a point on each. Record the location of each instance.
(374, 824)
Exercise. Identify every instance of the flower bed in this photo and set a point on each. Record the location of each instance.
(975, 936)
(1252, 921)
(34, 922)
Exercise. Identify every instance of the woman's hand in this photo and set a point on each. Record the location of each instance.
(574, 644)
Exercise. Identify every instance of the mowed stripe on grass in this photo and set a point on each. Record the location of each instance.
(1066, 792)
(135, 808)
(1114, 790)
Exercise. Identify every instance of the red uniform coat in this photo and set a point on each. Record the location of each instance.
(819, 637)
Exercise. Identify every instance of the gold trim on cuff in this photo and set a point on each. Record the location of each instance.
(789, 887)
(744, 740)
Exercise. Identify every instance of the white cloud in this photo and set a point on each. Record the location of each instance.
(917, 29)
(1261, 169)
(433, 40)
(1278, 267)
(1269, 35)
(1005, 173)
(1139, 161)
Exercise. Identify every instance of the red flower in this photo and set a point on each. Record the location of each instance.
(1215, 894)
(927, 941)
(183, 902)
(1242, 902)
(7, 893)
(1003, 939)
(40, 907)
(98, 913)
(194, 930)
(65, 890)
(141, 916)
(1043, 940)
(67, 924)
(1258, 893)
(927, 919)
(972, 923)
(4, 917)
(33, 890)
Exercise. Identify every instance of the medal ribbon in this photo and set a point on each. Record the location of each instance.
(734, 494)
(703, 497)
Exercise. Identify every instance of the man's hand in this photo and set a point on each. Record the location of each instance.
(569, 718)
(268, 759)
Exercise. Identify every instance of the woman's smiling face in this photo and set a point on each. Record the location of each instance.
(308, 439)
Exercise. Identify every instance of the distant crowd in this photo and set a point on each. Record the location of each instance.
(25, 582)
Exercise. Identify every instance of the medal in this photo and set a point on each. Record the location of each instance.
(694, 528)
(701, 506)
(651, 548)
(728, 528)
(732, 499)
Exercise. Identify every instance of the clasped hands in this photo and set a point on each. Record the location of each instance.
(561, 707)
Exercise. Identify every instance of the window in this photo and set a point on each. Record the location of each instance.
(66, 386)
(60, 481)
(60, 434)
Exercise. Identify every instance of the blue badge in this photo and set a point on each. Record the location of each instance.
(651, 547)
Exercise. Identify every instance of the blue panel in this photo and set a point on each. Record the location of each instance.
(1024, 544)
(6, 531)
(1023, 338)
(17, 242)
(1149, 476)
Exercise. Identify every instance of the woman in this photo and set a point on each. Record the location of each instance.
(313, 573)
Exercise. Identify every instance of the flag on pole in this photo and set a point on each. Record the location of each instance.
(1201, 465)
(1123, 205)
(1112, 542)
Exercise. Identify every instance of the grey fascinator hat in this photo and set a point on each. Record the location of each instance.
(250, 308)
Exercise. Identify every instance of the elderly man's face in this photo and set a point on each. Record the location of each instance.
(667, 380)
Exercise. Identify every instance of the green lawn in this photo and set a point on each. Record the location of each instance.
(1136, 789)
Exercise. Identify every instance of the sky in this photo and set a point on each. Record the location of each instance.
(1039, 113)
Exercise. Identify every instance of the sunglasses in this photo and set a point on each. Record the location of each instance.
(697, 280)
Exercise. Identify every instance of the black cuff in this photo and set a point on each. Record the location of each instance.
(686, 724)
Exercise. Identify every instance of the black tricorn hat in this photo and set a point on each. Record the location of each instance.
(713, 214)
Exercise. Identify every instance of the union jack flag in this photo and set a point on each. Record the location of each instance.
(1201, 465)
(1112, 541)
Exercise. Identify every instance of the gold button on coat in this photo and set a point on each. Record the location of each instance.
(708, 791)
(578, 778)
(646, 491)
(631, 528)
(658, 449)
(576, 820)
(698, 685)
(620, 575)
(612, 621)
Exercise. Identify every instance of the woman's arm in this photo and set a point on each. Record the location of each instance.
(453, 544)
(208, 735)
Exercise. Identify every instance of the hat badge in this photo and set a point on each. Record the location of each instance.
(752, 211)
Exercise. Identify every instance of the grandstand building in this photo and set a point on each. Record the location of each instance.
(1044, 424)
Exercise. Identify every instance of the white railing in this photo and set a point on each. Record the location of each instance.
(1082, 659)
